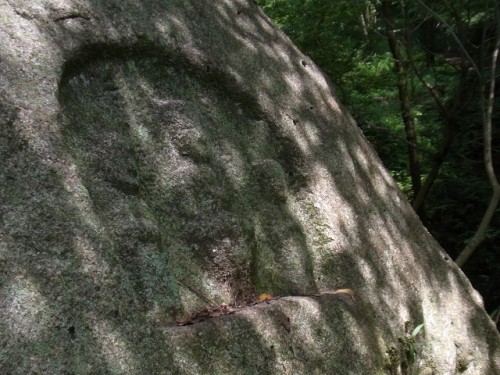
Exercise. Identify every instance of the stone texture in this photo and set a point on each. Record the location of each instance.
(161, 156)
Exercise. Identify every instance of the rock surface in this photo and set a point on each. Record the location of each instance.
(159, 157)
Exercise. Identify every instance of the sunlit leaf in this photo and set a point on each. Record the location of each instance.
(417, 330)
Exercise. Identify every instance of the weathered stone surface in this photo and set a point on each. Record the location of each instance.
(158, 155)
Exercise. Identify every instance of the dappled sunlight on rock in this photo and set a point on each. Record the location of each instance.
(24, 308)
(118, 356)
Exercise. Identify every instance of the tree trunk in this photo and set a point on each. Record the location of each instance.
(404, 98)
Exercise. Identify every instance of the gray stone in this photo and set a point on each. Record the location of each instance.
(160, 158)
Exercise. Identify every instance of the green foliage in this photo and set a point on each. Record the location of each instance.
(319, 28)
(417, 330)
(372, 96)
(402, 358)
(408, 348)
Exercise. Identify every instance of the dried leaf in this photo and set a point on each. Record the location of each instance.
(205, 313)
(264, 297)
(184, 321)
(349, 292)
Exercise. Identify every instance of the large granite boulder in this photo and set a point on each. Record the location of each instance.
(165, 162)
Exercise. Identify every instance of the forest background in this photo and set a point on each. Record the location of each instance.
(417, 77)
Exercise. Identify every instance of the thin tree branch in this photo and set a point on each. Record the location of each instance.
(487, 117)
(455, 37)
(200, 295)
